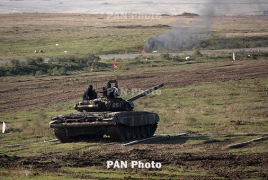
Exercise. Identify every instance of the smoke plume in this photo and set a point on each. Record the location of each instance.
(182, 38)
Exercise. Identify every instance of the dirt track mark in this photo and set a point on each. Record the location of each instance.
(28, 94)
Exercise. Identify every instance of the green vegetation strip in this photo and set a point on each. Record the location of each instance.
(92, 64)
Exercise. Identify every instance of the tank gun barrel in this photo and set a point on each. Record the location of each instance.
(144, 93)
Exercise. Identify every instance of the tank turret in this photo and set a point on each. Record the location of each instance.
(110, 100)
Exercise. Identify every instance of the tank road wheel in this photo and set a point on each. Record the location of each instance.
(121, 134)
(133, 132)
(149, 130)
(128, 132)
(91, 137)
(61, 135)
(154, 126)
(143, 132)
(138, 131)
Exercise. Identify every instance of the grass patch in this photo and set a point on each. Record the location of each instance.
(100, 173)
(28, 173)
(30, 126)
(75, 41)
(221, 107)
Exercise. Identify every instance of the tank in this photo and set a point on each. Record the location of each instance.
(109, 116)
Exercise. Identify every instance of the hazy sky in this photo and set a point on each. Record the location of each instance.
(131, 6)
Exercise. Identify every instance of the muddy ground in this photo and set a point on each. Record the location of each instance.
(215, 164)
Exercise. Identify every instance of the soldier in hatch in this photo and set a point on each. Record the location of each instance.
(110, 92)
(90, 93)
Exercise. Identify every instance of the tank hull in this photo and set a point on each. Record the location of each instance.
(119, 126)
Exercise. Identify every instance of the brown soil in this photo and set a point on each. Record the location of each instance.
(25, 94)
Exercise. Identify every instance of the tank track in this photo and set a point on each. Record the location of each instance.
(119, 132)
(62, 136)
(122, 132)
(60, 133)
